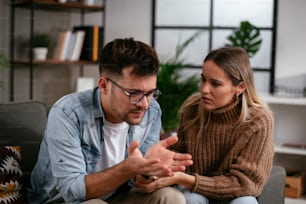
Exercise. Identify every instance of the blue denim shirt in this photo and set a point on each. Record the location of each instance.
(71, 146)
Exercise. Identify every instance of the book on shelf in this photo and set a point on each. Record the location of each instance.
(69, 45)
(78, 45)
(62, 45)
(93, 42)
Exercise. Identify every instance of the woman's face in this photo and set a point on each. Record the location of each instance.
(216, 87)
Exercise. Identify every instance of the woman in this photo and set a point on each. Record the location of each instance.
(228, 131)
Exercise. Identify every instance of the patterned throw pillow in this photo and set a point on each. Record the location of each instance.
(10, 175)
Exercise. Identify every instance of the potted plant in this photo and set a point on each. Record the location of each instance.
(246, 36)
(173, 87)
(41, 42)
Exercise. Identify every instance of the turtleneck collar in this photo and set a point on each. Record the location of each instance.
(227, 114)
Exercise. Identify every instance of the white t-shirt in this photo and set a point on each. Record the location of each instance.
(114, 146)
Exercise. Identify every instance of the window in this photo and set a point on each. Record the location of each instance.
(176, 20)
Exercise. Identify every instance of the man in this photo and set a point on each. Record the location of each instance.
(95, 140)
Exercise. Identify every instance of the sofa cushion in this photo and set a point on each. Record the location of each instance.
(22, 124)
(10, 175)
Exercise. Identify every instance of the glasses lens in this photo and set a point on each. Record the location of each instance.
(136, 97)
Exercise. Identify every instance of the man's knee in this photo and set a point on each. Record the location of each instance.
(169, 195)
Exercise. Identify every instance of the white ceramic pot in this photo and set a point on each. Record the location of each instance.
(40, 53)
(89, 2)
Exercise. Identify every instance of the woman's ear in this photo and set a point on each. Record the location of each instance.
(240, 88)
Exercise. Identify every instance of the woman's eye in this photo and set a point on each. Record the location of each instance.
(215, 84)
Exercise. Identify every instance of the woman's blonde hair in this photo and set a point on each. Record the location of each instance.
(235, 62)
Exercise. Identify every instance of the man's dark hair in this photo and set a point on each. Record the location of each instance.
(121, 53)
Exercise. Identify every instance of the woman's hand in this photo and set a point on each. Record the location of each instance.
(150, 185)
(179, 178)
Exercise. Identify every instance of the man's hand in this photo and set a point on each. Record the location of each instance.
(172, 160)
(137, 164)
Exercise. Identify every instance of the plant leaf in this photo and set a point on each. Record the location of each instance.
(246, 36)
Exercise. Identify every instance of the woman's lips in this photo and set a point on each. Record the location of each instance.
(206, 100)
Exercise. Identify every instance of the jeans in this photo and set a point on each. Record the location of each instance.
(196, 198)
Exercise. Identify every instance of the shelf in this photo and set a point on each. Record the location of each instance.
(283, 100)
(53, 62)
(290, 150)
(46, 5)
(53, 5)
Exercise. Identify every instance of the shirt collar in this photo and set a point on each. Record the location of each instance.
(98, 111)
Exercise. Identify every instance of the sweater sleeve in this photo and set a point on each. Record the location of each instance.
(249, 168)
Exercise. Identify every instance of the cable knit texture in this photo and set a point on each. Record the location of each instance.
(229, 160)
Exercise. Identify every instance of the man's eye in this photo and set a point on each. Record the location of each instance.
(135, 93)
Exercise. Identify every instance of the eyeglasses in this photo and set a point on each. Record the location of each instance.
(136, 96)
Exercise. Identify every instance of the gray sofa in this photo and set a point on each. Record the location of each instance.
(23, 124)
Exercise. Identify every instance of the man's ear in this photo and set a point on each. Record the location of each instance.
(103, 85)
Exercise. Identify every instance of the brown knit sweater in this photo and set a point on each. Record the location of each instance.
(229, 160)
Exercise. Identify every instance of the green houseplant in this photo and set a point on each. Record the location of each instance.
(40, 43)
(41, 40)
(246, 36)
(175, 89)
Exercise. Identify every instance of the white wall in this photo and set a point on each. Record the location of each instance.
(128, 18)
(291, 40)
(123, 19)
(291, 43)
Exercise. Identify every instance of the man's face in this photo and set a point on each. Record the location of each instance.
(115, 100)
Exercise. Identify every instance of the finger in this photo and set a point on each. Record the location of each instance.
(133, 145)
(141, 180)
(182, 163)
(182, 157)
(169, 141)
(147, 188)
(162, 172)
(178, 168)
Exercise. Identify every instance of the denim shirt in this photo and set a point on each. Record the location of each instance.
(72, 142)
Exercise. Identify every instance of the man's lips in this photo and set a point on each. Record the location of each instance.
(137, 112)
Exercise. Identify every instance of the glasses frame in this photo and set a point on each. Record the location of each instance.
(155, 92)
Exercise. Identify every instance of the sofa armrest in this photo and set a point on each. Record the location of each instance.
(274, 190)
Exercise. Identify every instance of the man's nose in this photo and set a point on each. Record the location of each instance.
(144, 102)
